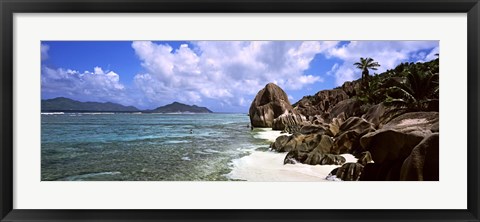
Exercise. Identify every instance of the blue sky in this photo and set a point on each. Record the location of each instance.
(221, 75)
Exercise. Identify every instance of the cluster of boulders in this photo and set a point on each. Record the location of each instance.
(388, 146)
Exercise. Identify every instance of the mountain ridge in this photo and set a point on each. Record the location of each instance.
(63, 104)
(177, 107)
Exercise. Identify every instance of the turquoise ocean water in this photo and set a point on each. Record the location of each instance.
(144, 147)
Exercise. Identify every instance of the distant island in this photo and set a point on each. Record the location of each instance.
(62, 104)
(177, 107)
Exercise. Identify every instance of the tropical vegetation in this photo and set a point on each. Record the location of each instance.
(409, 86)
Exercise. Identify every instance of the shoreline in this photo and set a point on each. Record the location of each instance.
(267, 166)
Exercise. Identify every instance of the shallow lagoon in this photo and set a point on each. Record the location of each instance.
(163, 147)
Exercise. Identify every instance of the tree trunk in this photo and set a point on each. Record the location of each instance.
(365, 77)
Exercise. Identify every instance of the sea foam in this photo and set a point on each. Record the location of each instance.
(186, 158)
(267, 134)
(53, 113)
(267, 166)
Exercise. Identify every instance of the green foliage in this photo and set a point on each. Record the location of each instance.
(371, 92)
(419, 91)
(409, 86)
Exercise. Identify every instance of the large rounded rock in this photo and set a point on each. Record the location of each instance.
(415, 122)
(270, 103)
(288, 143)
(357, 124)
(348, 140)
(325, 145)
(303, 143)
(334, 127)
(350, 172)
(399, 136)
(314, 158)
(391, 145)
(347, 108)
(315, 149)
(378, 114)
(286, 120)
(280, 142)
(310, 129)
(423, 163)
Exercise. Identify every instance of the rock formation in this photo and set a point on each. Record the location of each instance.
(422, 163)
(286, 120)
(331, 103)
(391, 145)
(271, 108)
(400, 148)
(390, 141)
(348, 140)
(349, 171)
(321, 103)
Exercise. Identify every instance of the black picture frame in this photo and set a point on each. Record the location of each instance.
(9, 7)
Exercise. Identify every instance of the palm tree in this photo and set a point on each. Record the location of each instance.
(418, 92)
(364, 65)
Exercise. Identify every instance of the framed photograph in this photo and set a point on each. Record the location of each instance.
(230, 110)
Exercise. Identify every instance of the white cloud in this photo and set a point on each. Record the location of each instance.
(388, 53)
(97, 85)
(430, 56)
(333, 69)
(226, 71)
(44, 51)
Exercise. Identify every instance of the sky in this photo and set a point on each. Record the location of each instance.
(223, 76)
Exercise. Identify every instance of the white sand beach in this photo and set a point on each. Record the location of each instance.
(268, 166)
